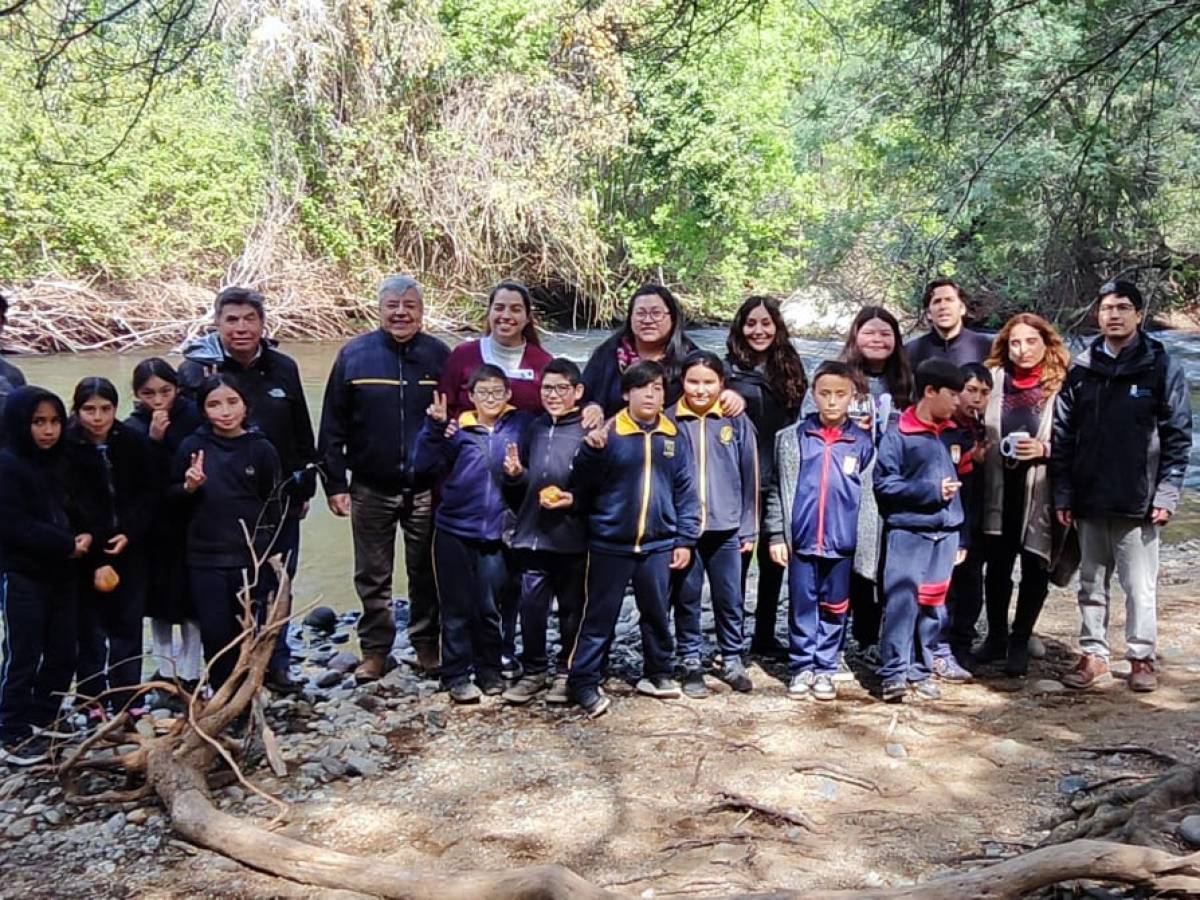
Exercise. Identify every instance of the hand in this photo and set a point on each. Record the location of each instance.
(512, 461)
(732, 403)
(680, 557)
(950, 488)
(339, 505)
(960, 555)
(979, 452)
(779, 554)
(597, 438)
(747, 547)
(160, 421)
(451, 429)
(83, 543)
(194, 477)
(1065, 519)
(116, 545)
(564, 500)
(437, 409)
(592, 417)
(1030, 448)
(1160, 516)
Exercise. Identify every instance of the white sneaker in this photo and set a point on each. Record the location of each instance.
(800, 685)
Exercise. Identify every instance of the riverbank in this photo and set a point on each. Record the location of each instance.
(879, 795)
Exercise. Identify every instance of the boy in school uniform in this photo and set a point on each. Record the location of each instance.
(812, 523)
(550, 537)
(470, 562)
(634, 481)
(916, 488)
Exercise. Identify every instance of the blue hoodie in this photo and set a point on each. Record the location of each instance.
(910, 468)
(724, 455)
(472, 503)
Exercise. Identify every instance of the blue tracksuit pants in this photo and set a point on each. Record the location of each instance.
(544, 577)
(917, 567)
(818, 601)
(471, 575)
(718, 554)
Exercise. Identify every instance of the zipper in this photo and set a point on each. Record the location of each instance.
(400, 379)
(821, 498)
(642, 516)
(546, 468)
(703, 473)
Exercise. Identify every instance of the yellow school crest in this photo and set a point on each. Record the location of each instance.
(726, 435)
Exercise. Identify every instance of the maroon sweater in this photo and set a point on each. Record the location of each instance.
(466, 358)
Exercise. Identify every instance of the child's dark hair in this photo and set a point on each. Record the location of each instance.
(938, 374)
(979, 372)
(154, 367)
(486, 372)
(838, 369)
(707, 359)
(212, 382)
(93, 387)
(641, 374)
(567, 368)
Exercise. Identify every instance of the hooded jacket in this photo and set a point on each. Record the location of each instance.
(375, 404)
(724, 455)
(36, 538)
(1122, 432)
(813, 504)
(639, 491)
(241, 486)
(185, 420)
(909, 469)
(275, 395)
(766, 411)
(472, 503)
(548, 450)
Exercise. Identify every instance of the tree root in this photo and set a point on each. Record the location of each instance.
(740, 803)
(1132, 814)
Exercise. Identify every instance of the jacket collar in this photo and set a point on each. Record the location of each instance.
(911, 424)
(812, 425)
(570, 417)
(625, 425)
(469, 419)
(683, 411)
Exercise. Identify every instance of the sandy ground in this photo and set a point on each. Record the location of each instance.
(629, 800)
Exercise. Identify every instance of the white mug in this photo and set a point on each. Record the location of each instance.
(1008, 443)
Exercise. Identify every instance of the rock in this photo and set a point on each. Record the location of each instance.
(362, 765)
(52, 816)
(34, 808)
(1189, 831)
(139, 816)
(1037, 647)
(329, 679)
(342, 662)
(1004, 752)
(224, 864)
(160, 713)
(19, 828)
(145, 727)
(342, 637)
(235, 794)
(828, 789)
(895, 751)
(114, 825)
(336, 747)
(1072, 784)
(1048, 686)
(436, 718)
(322, 618)
(333, 766)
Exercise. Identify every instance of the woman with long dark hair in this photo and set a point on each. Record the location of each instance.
(767, 372)
(1029, 364)
(510, 341)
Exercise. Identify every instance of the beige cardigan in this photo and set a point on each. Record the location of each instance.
(1037, 535)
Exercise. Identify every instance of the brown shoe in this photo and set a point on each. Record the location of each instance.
(428, 658)
(371, 668)
(1143, 676)
(1090, 670)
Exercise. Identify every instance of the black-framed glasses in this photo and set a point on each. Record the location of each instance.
(650, 315)
(489, 393)
(557, 390)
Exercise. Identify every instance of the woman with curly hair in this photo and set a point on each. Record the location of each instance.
(765, 369)
(1028, 363)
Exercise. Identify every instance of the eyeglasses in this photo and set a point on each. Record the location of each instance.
(489, 393)
(650, 315)
(1121, 309)
(557, 390)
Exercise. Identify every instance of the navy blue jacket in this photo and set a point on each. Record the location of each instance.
(965, 347)
(242, 485)
(638, 490)
(472, 503)
(766, 411)
(36, 538)
(185, 420)
(813, 503)
(375, 404)
(724, 455)
(548, 450)
(602, 376)
(909, 470)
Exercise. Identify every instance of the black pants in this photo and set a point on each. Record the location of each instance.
(216, 594)
(544, 577)
(770, 585)
(471, 576)
(41, 621)
(1002, 552)
(965, 601)
(110, 635)
(287, 545)
(866, 610)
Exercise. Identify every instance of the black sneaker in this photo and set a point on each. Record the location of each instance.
(594, 701)
(1016, 662)
(22, 752)
(991, 651)
(662, 687)
(927, 689)
(693, 680)
(526, 688)
(559, 694)
(734, 674)
(464, 692)
(280, 681)
(894, 691)
(491, 683)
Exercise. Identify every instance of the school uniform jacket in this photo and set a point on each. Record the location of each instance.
(814, 501)
(472, 503)
(638, 490)
(374, 408)
(548, 450)
(724, 453)
(909, 469)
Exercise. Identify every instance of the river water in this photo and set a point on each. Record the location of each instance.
(326, 558)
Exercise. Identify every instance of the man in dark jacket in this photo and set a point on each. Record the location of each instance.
(10, 376)
(270, 382)
(1122, 436)
(945, 306)
(375, 403)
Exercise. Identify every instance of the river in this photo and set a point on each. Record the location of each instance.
(326, 560)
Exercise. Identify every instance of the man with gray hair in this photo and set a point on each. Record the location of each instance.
(375, 403)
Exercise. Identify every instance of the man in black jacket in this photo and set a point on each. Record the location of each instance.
(10, 376)
(375, 403)
(1122, 436)
(945, 307)
(270, 381)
